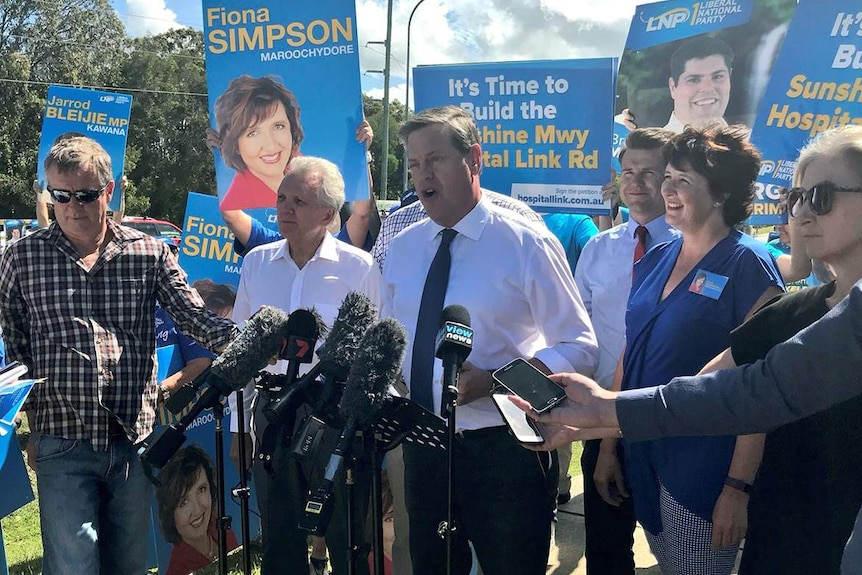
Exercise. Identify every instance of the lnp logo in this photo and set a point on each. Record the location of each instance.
(106, 98)
(668, 21)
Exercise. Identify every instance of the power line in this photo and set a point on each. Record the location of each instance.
(120, 88)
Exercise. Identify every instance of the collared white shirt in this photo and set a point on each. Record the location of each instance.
(604, 280)
(270, 277)
(514, 280)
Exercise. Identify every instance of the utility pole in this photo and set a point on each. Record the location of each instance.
(384, 162)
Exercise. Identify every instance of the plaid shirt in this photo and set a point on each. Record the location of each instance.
(414, 212)
(91, 333)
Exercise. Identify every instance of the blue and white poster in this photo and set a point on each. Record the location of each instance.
(701, 62)
(207, 256)
(816, 84)
(283, 80)
(16, 490)
(545, 126)
(102, 116)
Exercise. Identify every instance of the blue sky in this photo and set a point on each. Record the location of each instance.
(444, 31)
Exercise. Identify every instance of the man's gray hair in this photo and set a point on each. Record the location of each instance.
(69, 155)
(330, 192)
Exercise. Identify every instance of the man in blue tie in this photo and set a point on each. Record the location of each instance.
(514, 280)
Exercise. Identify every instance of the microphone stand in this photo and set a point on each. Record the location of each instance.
(448, 404)
(242, 491)
(224, 519)
(373, 444)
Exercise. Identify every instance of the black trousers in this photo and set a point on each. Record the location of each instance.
(504, 498)
(281, 501)
(609, 529)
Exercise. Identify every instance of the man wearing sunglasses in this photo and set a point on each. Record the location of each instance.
(78, 301)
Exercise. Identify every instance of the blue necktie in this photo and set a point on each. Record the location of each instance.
(428, 323)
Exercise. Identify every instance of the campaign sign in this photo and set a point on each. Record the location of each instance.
(16, 490)
(207, 256)
(816, 85)
(699, 62)
(266, 62)
(545, 126)
(102, 116)
(206, 250)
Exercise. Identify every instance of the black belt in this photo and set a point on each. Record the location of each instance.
(116, 430)
(480, 434)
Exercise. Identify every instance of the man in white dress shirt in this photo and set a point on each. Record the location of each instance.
(604, 278)
(514, 280)
(307, 268)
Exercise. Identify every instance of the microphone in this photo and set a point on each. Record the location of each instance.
(303, 331)
(248, 353)
(453, 344)
(355, 315)
(262, 337)
(377, 365)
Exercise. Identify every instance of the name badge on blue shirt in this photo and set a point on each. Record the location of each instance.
(708, 284)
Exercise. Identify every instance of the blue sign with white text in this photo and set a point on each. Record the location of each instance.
(663, 22)
(816, 84)
(266, 62)
(545, 126)
(102, 116)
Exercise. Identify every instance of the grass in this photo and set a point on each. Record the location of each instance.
(24, 541)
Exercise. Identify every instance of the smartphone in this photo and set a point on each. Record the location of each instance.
(527, 382)
(522, 427)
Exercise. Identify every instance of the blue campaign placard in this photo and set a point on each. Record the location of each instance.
(816, 84)
(663, 22)
(700, 62)
(266, 62)
(102, 116)
(206, 250)
(546, 126)
(16, 490)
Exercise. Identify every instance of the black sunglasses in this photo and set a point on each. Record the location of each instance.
(819, 197)
(82, 196)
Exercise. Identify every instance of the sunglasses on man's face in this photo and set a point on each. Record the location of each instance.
(819, 197)
(81, 196)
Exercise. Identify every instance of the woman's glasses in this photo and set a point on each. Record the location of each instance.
(81, 196)
(819, 197)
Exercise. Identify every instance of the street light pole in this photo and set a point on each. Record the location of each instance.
(407, 90)
(384, 164)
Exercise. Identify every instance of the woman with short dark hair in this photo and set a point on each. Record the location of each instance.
(687, 296)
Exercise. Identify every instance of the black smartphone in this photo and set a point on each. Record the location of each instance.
(527, 382)
(522, 427)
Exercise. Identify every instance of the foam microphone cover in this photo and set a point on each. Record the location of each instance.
(355, 316)
(250, 352)
(376, 366)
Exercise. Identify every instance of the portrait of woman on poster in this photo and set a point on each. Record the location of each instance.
(257, 132)
(187, 511)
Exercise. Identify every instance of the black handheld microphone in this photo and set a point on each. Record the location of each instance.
(336, 354)
(453, 344)
(302, 334)
(377, 365)
(262, 338)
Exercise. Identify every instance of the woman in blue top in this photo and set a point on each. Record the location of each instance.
(687, 296)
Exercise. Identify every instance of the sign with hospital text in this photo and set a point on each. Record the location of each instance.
(283, 80)
(545, 126)
(816, 85)
(102, 116)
